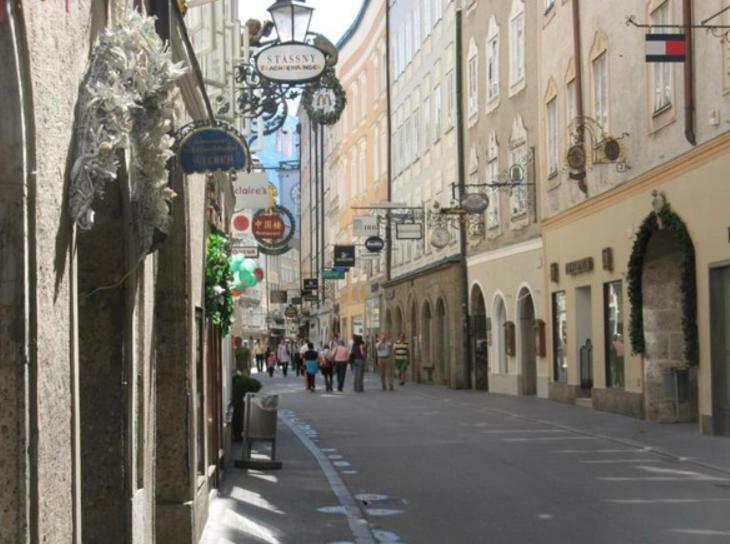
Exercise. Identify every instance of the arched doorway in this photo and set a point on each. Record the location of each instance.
(414, 344)
(499, 351)
(671, 384)
(397, 324)
(479, 338)
(388, 322)
(442, 346)
(426, 338)
(526, 342)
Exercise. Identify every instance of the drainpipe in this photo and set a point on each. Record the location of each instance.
(689, 91)
(579, 111)
(388, 232)
(462, 188)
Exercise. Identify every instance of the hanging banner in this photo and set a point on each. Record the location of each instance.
(291, 63)
(252, 191)
(218, 148)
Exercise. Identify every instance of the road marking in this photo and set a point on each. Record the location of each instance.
(341, 463)
(371, 497)
(521, 431)
(355, 518)
(383, 512)
(701, 532)
(637, 450)
(667, 475)
(544, 516)
(612, 461)
(385, 536)
(666, 501)
(547, 438)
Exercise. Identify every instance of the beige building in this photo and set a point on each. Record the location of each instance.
(635, 154)
(501, 90)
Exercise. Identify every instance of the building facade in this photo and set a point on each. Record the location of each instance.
(500, 82)
(424, 297)
(103, 359)
(634, 153)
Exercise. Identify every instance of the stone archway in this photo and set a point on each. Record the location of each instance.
(499, 362)
(480, 348)
(442, 346)
(414, 344)
(663, 294)
(426, 339)
(388, 322)
(398, 325)
(526, 342)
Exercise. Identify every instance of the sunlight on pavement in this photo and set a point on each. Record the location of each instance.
(254, 499)
(245, 525)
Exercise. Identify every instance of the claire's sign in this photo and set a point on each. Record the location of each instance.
(291, 63)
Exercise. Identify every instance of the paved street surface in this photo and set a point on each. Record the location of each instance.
(427, 465)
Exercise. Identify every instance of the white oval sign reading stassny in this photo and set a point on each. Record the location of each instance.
(291, 63)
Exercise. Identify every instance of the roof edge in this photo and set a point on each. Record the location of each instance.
(350, 32)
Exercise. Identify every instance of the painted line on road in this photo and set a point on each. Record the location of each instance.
(521, 431)
(666, 501)
(548, 438)
(355, 517)
(586, 452)
(618, 461)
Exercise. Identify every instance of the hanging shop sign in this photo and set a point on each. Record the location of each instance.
(440, 237)
(278, 297)
(279, 245)
(409, 231)
(241, 225)
(205, 148)
(333, 275)
(310, 298)
(345, 256)
(296, 301)
(325, 99)
(252, 191)
(291, 312)
(365, 225)
(310, 284)
(247, 248)
(475, 203)
(375, 244)
(268, 227)
(291, 63)
(666, 48)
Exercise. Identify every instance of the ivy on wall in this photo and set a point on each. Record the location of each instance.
(218, 278)
(664, 219)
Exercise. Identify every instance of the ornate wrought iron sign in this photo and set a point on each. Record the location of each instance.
(204, 148)
(291, 63)
(277, 246)
(325, 100)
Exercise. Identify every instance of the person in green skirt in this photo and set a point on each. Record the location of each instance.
(400, 349)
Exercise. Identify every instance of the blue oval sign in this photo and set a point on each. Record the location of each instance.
(374, 244)
(212, 149)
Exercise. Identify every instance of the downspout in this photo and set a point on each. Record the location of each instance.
(317, 261)
(579, 110)
(388, 230)
(689, 91)
(321, 205)
(464, 272)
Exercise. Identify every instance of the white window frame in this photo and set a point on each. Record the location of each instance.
(493, 211)
(600, 90)
(437, 111)
(662, 72)
(518, 199)
(472, 78)
(492, 62)
(517, 46)
(551, 125)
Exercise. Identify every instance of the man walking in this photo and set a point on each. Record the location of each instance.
(341, 357)
(384, 350)
(259, 352)
(282, 354)
(400, 349)
(358, 353)
(242, 355)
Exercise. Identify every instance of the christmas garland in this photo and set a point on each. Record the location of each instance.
(218, 278)
(320, 114)
(668, 220)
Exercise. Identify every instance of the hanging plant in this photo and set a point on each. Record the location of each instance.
(218, 279)
(665, 219)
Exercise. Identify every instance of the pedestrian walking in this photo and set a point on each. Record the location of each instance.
(282, 354)
(311, 361)
(326, 367)
(402, 356)
(357, 356)
(384, 349)
(341, 356)
(242, 356)
(259, 352)
(271, 363)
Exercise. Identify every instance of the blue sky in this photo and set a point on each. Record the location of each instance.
(331, 17)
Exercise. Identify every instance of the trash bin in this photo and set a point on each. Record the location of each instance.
(260, 422)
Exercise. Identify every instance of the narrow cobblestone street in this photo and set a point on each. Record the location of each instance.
(428, 465)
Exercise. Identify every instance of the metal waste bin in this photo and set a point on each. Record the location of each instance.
(259, 425)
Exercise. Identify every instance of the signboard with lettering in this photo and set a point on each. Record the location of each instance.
(345, 256)
(333, 275)
(582, 266)
(374, 244)
(212, 149)
(409, 231)
(310, 284)
(268, 226)
(291, 63)
(366, 225)
(252, 191)
(278, 297)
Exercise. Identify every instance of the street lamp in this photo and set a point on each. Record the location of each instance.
(292, 18)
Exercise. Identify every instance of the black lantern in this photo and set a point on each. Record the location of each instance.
(292, 18)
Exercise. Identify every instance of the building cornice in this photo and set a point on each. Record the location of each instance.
(503, 252)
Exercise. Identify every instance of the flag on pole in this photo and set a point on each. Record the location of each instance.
(666, 47)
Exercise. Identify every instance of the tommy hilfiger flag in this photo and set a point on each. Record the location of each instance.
(666, 47)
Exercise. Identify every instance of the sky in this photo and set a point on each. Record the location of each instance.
(331, 17)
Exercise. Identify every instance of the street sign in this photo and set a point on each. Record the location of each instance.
(365, 225)
(409, 231)
(375, 244)
(333, 275)
(291, 63)
(345, 256)
(310, 284)
(278, 297)
(342, 269)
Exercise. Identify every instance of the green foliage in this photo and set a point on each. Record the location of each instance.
(671, 222)
(218, 277)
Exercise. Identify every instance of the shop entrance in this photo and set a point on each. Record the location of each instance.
(583, 333)
(442, 345)
(479, 339)
(528, 358)
(720, 345)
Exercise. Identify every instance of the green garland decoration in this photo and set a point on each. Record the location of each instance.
(328, 81)
(671, 222)
(218, 278)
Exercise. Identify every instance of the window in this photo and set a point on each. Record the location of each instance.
(518, 195)
(450, 98)
(375, 139)
(355, 103)
(437, 112)
(560, 337)
(417, 28)
(427, 18)
(493, 69)
(614, 333)
(438, 10)
(363, 167)
(416, 133)
(552, 137)
(472, 71)
(383, 148)
(353, 173)
(600, 90)
(571, 106)
(549, 5)
(517, 49)
(662, 70)
(363, 95)
(407, 143)
(493, 216)
(383, 74)
(409, 40)
(426, 122)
